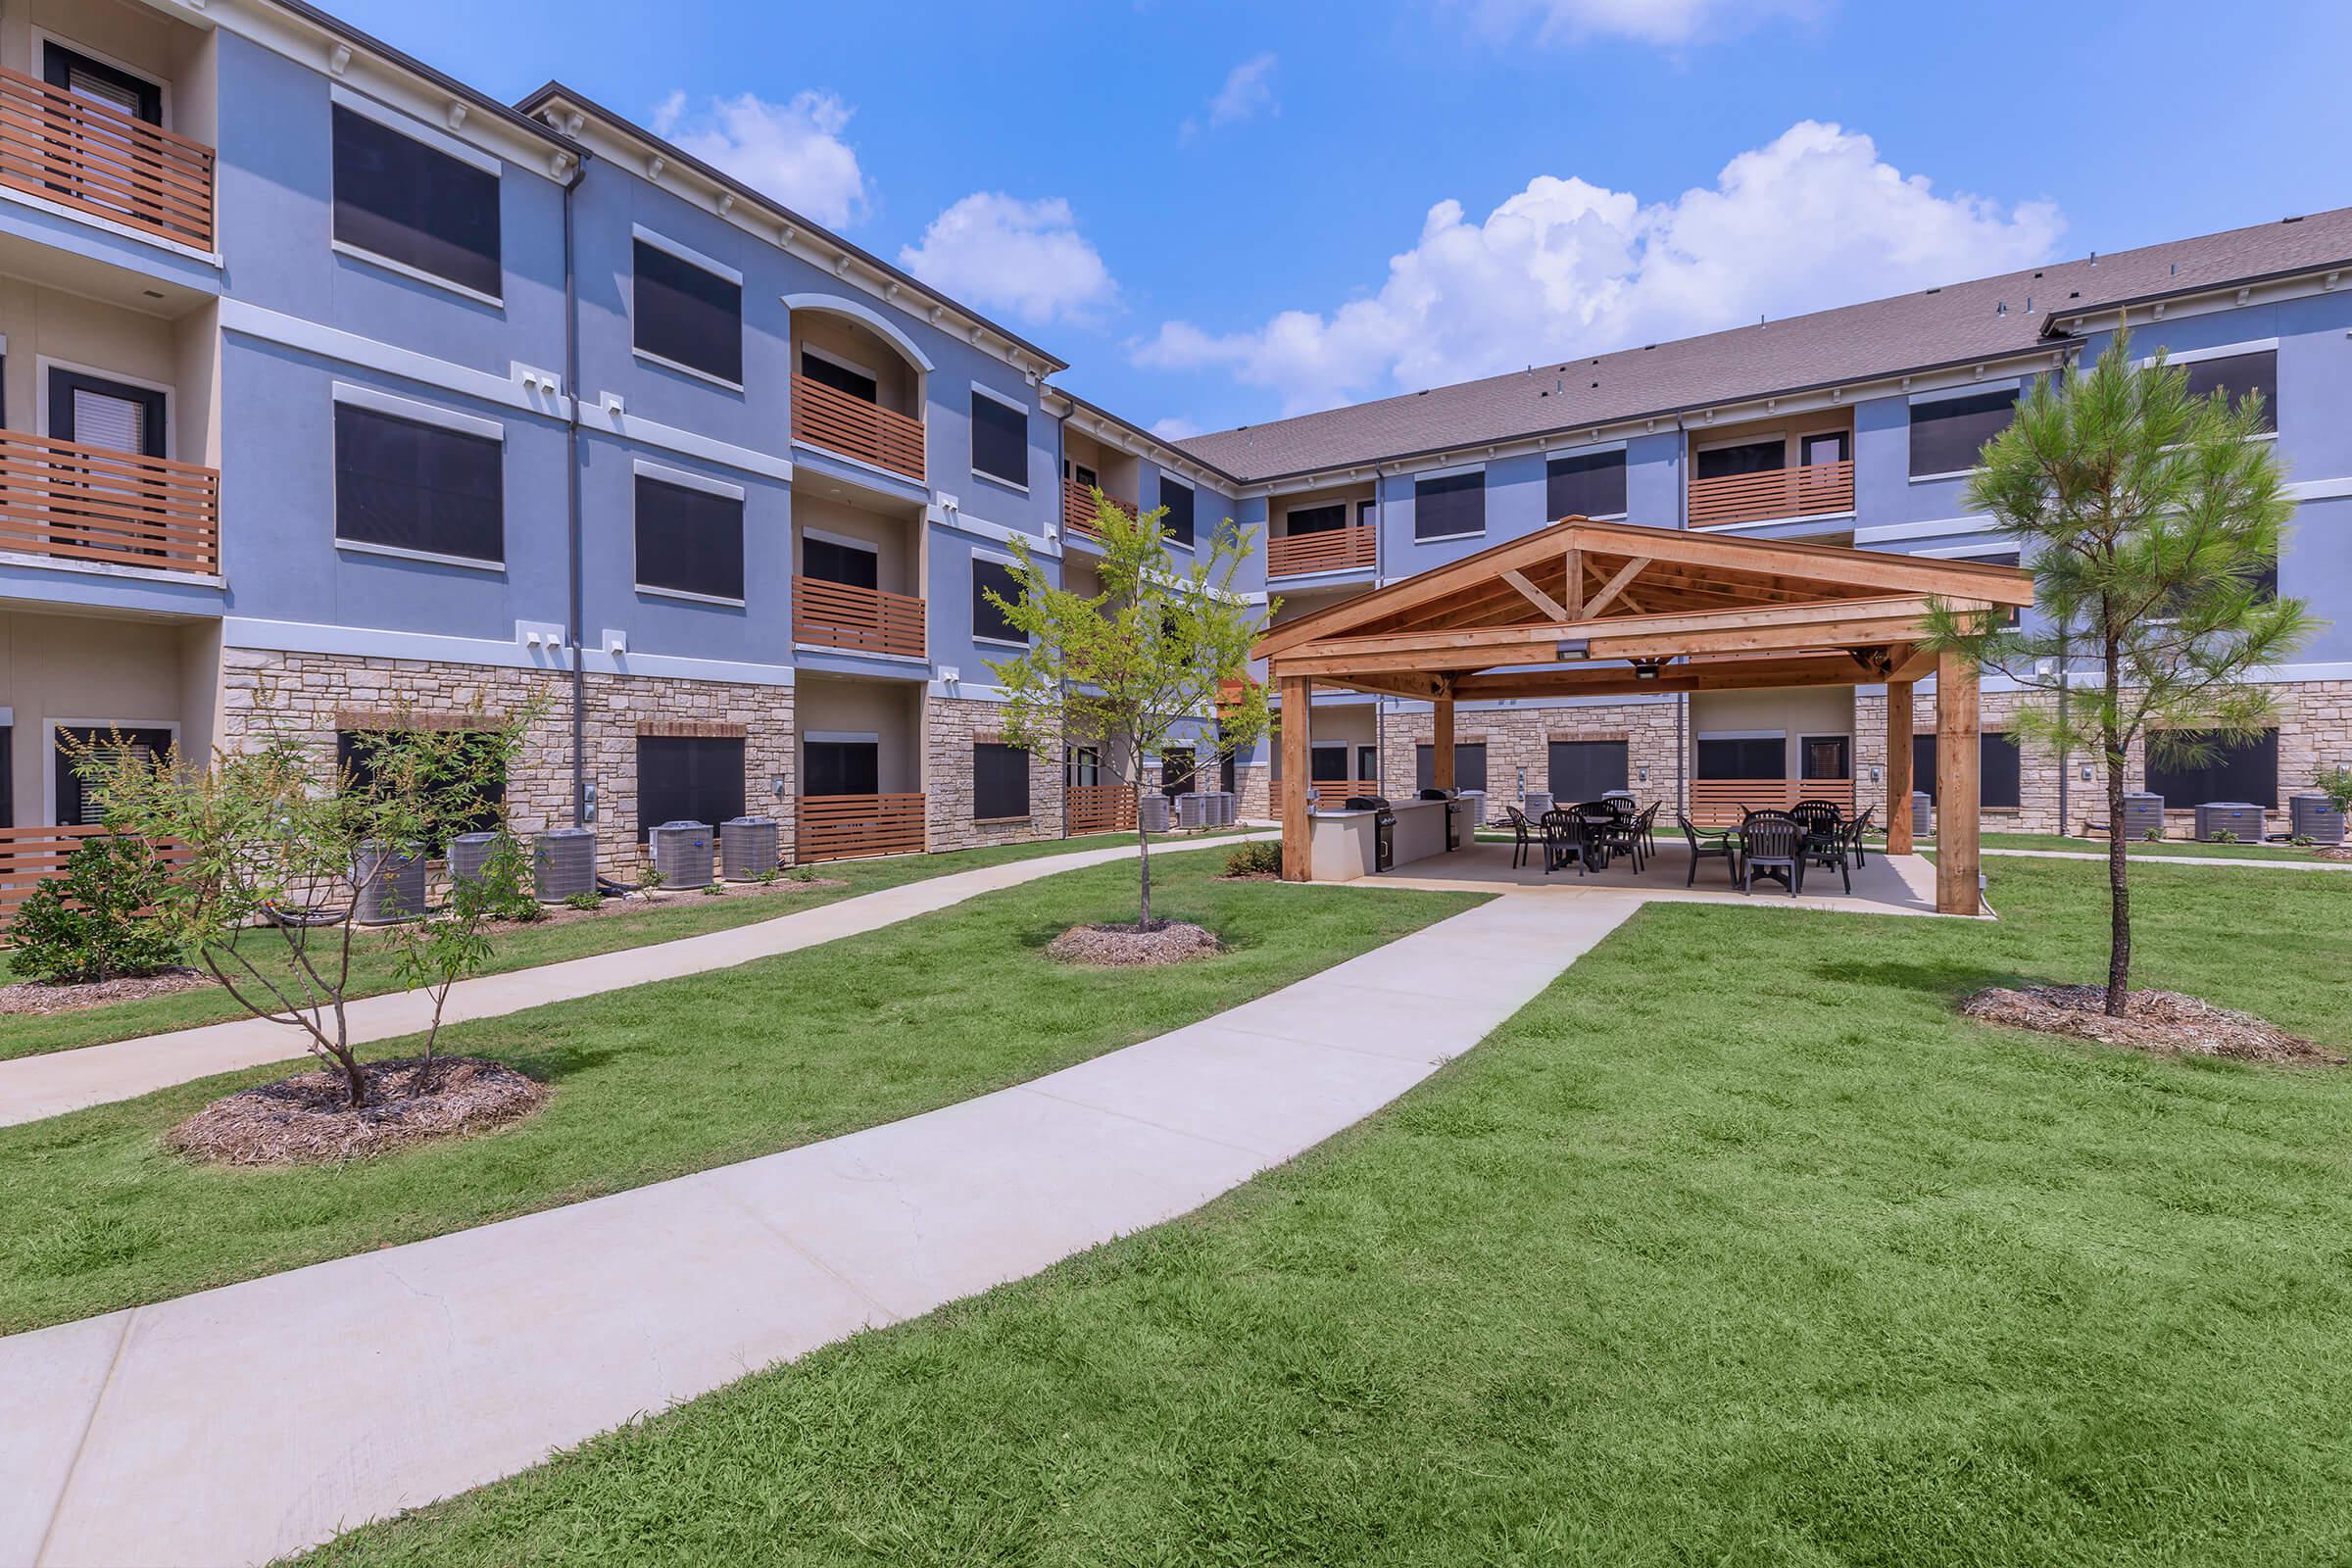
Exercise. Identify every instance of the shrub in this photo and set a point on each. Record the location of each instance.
(771, 876)
(2301, 841)
(1258, 859)
(714, 889)
(93, 923)
(2154, 835)
(648, 877)
(2223, 835)
(803, 873)
(584, 901)
(2336, 784)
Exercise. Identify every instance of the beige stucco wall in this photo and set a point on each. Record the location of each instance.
(92, 671)
(47, 323)
(889, 711)
(1799, 712)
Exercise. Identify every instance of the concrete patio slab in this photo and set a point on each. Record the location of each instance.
(447, 1364)
(50, 1085)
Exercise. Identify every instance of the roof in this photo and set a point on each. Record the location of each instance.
(1956, 324)
(1595, 607)
(558, 92)
(414, 67)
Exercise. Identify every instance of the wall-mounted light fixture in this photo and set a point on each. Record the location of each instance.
(1574, 648)
(775, 786)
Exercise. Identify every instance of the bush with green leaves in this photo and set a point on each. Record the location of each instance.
(96, 921)
(589, 902)
(1261, 857)
(2336, 784)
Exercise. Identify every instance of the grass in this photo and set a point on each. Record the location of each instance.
(1767, 1260)
(526, 947)
(2184, 848)
(664, 1079)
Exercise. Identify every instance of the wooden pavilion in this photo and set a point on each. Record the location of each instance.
(1597, 608)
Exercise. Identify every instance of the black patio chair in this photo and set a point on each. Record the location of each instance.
(1645, 827)
(1861, 826)
(1567, 837)
(1717, 846)
(1771, 843)
(1610, 826)
(1526, 835)
(1832, 850)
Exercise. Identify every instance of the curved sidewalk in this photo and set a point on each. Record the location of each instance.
(32, 1087)
(140, 1437)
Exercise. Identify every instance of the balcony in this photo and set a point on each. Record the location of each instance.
(1078, 514)
(85, 504)
(95, 158)
(1814, 489)
(848, 827)
(862, 620)
(1352, 549)
(829, 417)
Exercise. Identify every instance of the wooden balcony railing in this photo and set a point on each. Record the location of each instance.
(848, 827)
(1078, 508)
(77, 502)
(1819, 487)
(95, 158)
(864, 620)
(1100, 808)
(1331, 796)
(832, 418)
(1720, 802)
(1351, 549)
(31, 855)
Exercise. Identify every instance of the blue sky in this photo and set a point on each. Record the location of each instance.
(1220, 212)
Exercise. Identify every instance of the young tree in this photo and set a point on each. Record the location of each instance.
(278, 851)
(2148, 519)
(1157, 647)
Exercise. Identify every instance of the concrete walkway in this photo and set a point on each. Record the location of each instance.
(34, 1087)
(175, 1434)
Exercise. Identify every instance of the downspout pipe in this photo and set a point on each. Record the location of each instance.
(573, 531)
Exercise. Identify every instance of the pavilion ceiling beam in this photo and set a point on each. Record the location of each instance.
(1574, 578)
(1918, 665)
(1541, 599)
(1831, 669)
(1830, 565)
(1908, 607)
(1616, 585)
(1475, 649)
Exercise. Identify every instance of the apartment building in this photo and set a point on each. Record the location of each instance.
(335, 395)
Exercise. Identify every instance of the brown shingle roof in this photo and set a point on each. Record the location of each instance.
(1948, 326)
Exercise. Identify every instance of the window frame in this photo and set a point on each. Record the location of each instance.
(2270, 803)
(426, 136)
(1015, 405)
(1441, 475)
(743, 752)
(1777, 739)
(1624, 753)
(838, 737)
(429, 415)
(1578, 454)
(1958, 394)
(1190, 539)
(642, 472)
(1019, 757)
(654, 239)
(980, 606)
(49, 728)
(43, 40)
(1425, 764)
(2251, 349)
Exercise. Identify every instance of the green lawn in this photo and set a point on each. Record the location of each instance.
(660, 1080)
(2187, 848)
(682, 915)
(1769, 1259)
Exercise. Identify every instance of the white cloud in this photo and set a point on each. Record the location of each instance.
(1005, 254)
(1175, 429)
(1248, 91)
(1656, 21)
(1812, 219)
(793, 151)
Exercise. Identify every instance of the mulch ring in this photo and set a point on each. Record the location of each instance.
(2162, 1022)
(307, 1119)
(1127, 946)
(32, 996)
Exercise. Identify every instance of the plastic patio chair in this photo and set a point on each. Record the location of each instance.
(1771, 843)
(1717, 847)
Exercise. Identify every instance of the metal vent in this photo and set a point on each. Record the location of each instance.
(2241, 819)
(564, 862)
(391, 885)
(468, 852)
(2143, 814)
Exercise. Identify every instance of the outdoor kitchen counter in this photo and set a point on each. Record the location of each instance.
(1343, 842)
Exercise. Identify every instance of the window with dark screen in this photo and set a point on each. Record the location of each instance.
(1000, 439)
(988, 622)
(688, 778)
(1742, 756)
(1469, 765)
(1000, 781)
(1449, 505)
(687, 314)
(2238, 376)
(2236, 770)
(2000, 768)
(1947, 434)
(1178, 499)
(397, 198)
(689, 540)
(403, 484)
(840, 766)
(1584, 770)
(1590, 484)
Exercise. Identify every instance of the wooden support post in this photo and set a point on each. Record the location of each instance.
(1957, 786)
(1441, 746)
(1298, 819)
(1899, 787)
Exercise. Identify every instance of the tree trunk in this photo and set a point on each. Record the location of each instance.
(1143, 857)
(2119, 891)
(354, 1080)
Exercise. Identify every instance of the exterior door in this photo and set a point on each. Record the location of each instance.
(94, 412)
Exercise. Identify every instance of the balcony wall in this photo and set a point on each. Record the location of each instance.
(99, 671)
